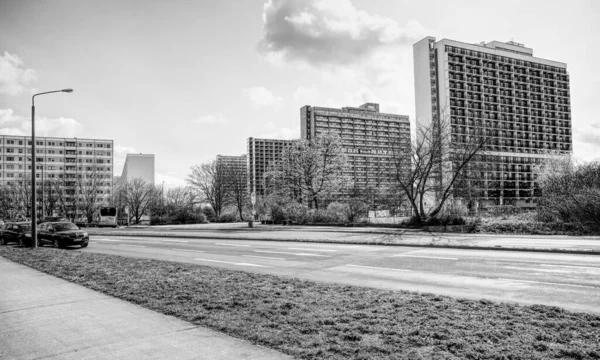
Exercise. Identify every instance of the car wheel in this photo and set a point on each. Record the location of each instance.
(55, 244)
(21, 242)
(84, 245)
(3, 240)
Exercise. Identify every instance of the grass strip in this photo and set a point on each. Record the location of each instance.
(310, 320)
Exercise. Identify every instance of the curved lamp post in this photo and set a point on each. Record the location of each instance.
(33, 194)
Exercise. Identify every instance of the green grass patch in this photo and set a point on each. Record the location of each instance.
(310, 320)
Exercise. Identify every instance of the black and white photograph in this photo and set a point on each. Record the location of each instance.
(299, 179)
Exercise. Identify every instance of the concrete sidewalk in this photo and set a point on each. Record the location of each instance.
(45, 317)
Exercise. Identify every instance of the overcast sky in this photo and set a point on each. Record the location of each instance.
(187, 80)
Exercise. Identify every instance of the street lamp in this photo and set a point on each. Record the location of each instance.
(33, 195)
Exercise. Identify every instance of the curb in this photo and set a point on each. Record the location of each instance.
(325, 241)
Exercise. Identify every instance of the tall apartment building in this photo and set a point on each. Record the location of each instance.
(238, 164)
(368, 137)
(261, 153)
(522, 101)
(64, 159)
(138, 166)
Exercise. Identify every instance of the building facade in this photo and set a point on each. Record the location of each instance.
(522, 102)
(368, 136)
(63, 162)
(261, 153)
(238, 167)
(138, 166)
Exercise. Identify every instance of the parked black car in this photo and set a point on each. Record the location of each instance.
(61, 234)
(19, 232)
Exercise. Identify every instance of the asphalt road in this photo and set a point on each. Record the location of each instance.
(373, 235)
(565, 280)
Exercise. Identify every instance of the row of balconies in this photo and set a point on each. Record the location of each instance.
(508, 112)
(535, 133)
(515, 122)
(462, 85)
(507, 95)
(458, 73)
(477, 103)
(501, 63)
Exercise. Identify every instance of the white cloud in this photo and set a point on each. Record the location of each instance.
(211, 119)
(347, 47)
(120, 154)
(271, 131)
(328, 32)
(262, 97)
(170, 179)
(14, 78)
(11, 124)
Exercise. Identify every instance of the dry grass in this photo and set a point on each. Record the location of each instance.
(321, 321)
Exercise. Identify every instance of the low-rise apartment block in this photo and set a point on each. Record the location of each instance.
(68, 161)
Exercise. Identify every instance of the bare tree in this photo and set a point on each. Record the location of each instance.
(21, 190)
(68, 200)
(9, 204)
(237, 187)
(51, 196)
(88, 186)
(310, 171)
(570, 190)
(209, 181)
(428, 170)
(139, 197)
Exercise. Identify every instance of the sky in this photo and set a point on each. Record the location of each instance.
(187, 80)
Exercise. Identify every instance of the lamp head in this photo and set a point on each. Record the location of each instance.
(67, 90)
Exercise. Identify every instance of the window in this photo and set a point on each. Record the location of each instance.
(10, 158)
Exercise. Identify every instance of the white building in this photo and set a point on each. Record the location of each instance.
(66, 162)
(522, 101)
(138, 166)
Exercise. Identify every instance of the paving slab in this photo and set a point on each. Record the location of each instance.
(44, 317)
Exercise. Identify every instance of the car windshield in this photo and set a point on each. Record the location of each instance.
(65, 227)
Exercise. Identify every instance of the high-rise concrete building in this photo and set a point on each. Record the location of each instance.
(238, 165)
(368, 138)
(66, 161)
(261, 153)
(138, 166)
(522, 101)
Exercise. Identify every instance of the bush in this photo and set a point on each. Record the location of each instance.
(186, 217)
(571, 192)
(320, 216)
(209, 213)
(228, 217)
(338, 212)
(456, 208)
(278, 214)
(296, 212)
(445, 220)
(527, 223)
